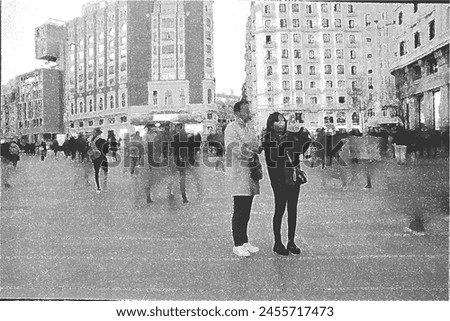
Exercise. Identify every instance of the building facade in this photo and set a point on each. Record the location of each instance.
(39, 104)
(128, 59)
(420, 64)
(8, 110)
(317, 63)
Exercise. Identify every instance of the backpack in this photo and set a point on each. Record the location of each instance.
(94, 152)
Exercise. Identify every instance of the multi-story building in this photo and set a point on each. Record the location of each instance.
(39, 104)
(131, 59)
(420, 64)
(317, 63)
(8, 110)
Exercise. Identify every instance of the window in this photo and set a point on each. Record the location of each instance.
(100, 72)
(312, 70)
(90, 75)
(309, 24)
(369, 55)
(325, 23)
(123, 53)
(286, 100)
(123, 66)
(354, 85)
(286, 85)
(311, 54)
(269, 86)
(351, 24)
(101, 48)
(432, 66)
(313, 100)
(268, 39)
(155, 97)
(90, 104)
(112, 32)
(81, 107)
(71, 108)
(298, 85)
(297, 37)
(327, 53)
(268, 55)
(208, 35)
(339, 53)
(339, 38)
(312, 84)
(295, 7)
(91, 39)
(368, 39)
(208, 62)
(299, 101)
(285, 69)
(329, 84)
(353, 70)
(111, 101)
(296, 23)
(341, 99)
(310, 39)
(298, 69)
(329, 99)
(432, 30)
(337, 7)
(352, 54)
(400, 18)
(100, 103)
(327, 69)
(268, 23)
(370, 83)
(350, 8)
(324, 7)
(285, 53)
(269, 70)
(341, 83)
(352, 38)
(417, 39)
(297, 53)
(111, 70)
(337, 23)
(283, 23)
(416, 7)
(326, 37)
(209, 97)
(417, 72)
(340, 69)
(284, 37)
(123, 28)
(283, 7)
(403, 48)
(308, 8)
(266, 9)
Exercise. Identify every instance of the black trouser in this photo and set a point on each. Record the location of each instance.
(241, 215)
(285, 194)
(103, 162)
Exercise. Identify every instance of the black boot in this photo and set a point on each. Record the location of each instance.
(185, 200)
(291, 247)
(280, 249)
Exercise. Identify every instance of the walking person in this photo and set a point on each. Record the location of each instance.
(245, 172)
(99, 149)
(135, 151)
(55, 148)
(43, 150)
(14, 151)
(5, 164)
(282, 152)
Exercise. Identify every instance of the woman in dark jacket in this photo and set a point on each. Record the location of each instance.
(282, 150)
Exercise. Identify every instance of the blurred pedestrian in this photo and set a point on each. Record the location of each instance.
(43, 150)
(245, 173)
(14, 151)
(55, 148)
(5, 164)
(282, 150)
(99, 149)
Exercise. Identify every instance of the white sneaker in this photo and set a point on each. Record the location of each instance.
(251, 248)
(241, 251)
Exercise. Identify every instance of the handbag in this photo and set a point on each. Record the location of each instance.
(295, 175)
(255, 168)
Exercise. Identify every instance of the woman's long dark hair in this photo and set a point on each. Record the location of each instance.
(273, 118)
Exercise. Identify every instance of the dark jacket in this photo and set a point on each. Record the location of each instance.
(103, 146)
(277, 149)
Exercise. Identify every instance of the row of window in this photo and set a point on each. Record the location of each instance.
(83, 108)
(100, 37)
(313, 84)
(339, 38)
(417, 38)
(285, 70)
(310, 24)
(26, 123)
(312, 54)
(99, 122)
(295, 7)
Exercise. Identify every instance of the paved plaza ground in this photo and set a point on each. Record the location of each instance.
(62, 240)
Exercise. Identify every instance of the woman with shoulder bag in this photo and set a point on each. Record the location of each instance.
(282, 152)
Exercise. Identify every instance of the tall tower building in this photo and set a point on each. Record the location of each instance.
(128, 58)
(317, 63)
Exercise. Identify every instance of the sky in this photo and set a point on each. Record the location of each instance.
(20, 17)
